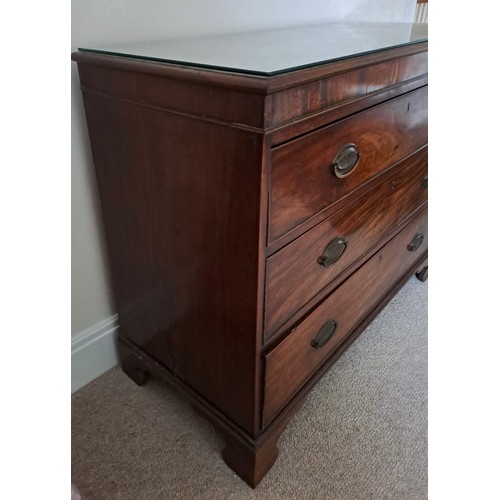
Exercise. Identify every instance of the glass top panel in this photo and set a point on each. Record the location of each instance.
(274, 51)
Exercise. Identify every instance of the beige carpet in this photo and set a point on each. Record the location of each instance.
(362, 433)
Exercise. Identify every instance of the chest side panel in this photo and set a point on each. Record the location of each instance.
(180, 200)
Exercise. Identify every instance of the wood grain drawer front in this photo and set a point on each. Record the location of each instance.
(298, 272)
(302, 179)
(292, 362)
(301, 100)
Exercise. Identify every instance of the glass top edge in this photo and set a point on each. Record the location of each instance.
(271, 52)
(242, 71)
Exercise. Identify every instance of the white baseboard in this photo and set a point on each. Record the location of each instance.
(93, 352)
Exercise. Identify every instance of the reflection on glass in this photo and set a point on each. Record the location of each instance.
(274, 51)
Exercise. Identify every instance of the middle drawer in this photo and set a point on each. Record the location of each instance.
(297, 273)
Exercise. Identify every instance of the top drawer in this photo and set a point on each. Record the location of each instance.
(303, 179)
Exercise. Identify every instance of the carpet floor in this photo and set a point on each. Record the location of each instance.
(361, 434)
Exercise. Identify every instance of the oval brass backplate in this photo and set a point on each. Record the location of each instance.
(415, 242)
(333, 251)
(346, 161)
(324, 334)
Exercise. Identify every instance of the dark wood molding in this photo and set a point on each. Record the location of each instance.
(254, 83)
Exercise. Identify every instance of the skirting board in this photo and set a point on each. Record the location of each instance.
(93, 352)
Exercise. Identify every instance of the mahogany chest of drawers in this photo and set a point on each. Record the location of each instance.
(256, 220)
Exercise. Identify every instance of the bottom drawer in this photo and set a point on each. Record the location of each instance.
(292, 362)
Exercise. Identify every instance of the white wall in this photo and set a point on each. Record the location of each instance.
(120, 20)
(95, 22)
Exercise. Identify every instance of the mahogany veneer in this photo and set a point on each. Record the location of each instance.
(293, 276)
(256, 224)
(293, 361)
(301, 181)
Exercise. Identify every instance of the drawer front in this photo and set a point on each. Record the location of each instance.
(303, 179)
(292, 362)
(298, 272)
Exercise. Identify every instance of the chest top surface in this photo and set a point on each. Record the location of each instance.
(272, 52)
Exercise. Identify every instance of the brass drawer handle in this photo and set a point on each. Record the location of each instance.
(415, 242)
(324, 334)
(333, 251)
(346, 161)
